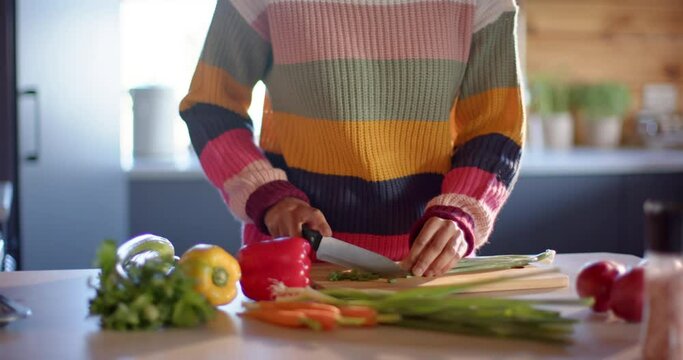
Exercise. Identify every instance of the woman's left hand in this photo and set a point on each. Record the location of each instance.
(437, 248)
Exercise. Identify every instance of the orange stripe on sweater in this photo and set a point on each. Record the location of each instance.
(373, 150)
(497, 110)
(213, 85)
(269, 136)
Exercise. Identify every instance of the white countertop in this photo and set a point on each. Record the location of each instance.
(579, 161)
(60, 329)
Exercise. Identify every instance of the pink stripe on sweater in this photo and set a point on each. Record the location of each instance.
(226, 155)
(394, 247)
(476, 183)
(310, 31)
(260, 25)
(246, 182)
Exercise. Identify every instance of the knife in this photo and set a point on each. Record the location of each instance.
(11, 310)
(348, 255)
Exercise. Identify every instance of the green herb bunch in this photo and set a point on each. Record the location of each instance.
(150, 297)
(602, 100)
(549, 96)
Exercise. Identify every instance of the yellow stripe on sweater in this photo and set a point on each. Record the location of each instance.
(213, 85)
(497, 110)
(374, 150)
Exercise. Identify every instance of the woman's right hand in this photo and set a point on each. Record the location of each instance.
(288, 216)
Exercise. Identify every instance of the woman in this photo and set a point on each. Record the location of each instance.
(390, 122)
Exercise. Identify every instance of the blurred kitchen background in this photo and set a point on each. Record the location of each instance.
(91, 146)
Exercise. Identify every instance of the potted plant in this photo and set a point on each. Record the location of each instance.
(550, 100)
(601, 110)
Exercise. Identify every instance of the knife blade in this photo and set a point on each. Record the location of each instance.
(11, 310)
(351, 256)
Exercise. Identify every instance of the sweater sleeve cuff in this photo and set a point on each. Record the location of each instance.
(464, 221)
(268, 195)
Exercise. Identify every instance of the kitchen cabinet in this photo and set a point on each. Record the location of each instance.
(72, 188)
(580, 213)
(186, 211)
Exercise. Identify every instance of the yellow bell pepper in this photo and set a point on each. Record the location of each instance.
(215, 272)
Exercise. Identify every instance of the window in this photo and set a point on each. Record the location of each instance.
(161, 41)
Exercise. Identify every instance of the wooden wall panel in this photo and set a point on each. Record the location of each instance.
(633, 41)
(605, 17)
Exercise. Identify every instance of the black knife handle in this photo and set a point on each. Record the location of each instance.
(312, 236)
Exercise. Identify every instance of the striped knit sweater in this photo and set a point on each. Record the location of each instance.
(380, 113)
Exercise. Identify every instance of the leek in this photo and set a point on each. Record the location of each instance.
(464, 266)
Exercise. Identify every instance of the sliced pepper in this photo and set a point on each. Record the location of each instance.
(283, 260)
(214, 270)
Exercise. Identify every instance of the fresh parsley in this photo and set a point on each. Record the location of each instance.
(150, 298)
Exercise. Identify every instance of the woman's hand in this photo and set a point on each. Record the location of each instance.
(436, 249)
(287, 216)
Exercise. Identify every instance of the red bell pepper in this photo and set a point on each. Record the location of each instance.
(285, 260)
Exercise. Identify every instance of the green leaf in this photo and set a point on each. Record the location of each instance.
(105, 257)
(148, 299)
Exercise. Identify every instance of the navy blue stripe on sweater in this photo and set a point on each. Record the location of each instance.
(495, 153)
(206, 122)
(355, 205)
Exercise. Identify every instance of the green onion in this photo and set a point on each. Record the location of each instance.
(464, 266)
(352, 275)
(473, 328)
(500, 262)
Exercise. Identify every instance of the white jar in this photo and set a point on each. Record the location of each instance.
(154, 113)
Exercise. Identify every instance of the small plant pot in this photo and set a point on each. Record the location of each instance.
(558, 131)
(534, 132)
(602, 132)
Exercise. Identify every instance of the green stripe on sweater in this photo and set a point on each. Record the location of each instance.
(235, 46)
(356, 89)
(492, 60)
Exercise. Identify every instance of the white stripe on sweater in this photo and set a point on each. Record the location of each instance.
(488, 11)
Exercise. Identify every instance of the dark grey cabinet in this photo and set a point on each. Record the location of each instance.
(185, 211)
(579, 213)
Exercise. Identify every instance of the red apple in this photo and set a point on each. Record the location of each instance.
(626, 300)
(595, 280)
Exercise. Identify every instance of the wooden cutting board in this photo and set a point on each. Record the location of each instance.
(320, 272)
